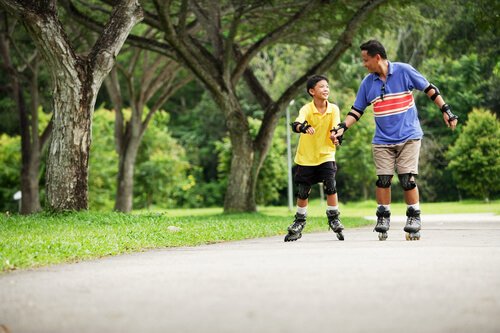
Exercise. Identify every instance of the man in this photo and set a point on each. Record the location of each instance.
(396, 143)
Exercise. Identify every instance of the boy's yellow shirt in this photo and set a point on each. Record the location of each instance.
(317, 148)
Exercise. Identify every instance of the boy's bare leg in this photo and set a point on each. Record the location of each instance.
(332, 199)
(302, 202)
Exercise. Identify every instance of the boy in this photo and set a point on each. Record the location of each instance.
(315, 156)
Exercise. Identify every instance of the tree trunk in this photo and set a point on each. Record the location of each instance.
(240, 193)
(30, 201)
(125, 179)
(67, 163)
(76, 81)
(30, 143)
(30, 156)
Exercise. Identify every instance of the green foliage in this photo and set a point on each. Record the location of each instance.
(162, 172)
(199, 125)
(461, 83)
(474, 158)
(162, 176)
(10, 160)
(103, 162)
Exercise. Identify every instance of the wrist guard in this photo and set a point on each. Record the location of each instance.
(446, 109)
(336, 129)
(302, 127)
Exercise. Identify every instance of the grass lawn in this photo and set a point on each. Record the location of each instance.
(45, 239)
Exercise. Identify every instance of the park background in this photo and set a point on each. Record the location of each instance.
(194, 117)
(185, 153)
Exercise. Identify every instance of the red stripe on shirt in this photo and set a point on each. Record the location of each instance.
(393, 103)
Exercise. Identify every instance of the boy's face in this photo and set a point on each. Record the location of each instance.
(369, 62)
(321, 90)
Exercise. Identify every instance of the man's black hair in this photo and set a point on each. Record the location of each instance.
(313, 80)
(374, 47)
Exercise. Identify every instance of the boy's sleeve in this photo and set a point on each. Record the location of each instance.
(302, 114)
(415, 79)
(361, 102)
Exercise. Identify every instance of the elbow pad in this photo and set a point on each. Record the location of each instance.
(436, 91)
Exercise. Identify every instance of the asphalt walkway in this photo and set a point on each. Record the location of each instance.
(449, 281)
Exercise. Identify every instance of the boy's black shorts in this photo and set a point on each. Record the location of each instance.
(311, 175)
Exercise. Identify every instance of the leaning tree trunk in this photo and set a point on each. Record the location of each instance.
(68, 159)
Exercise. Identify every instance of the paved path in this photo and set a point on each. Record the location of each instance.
(449, 281)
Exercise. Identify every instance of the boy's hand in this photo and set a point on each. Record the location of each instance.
(306, 128)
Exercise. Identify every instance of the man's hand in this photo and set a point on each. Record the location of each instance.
(337, 133)
(450, 119)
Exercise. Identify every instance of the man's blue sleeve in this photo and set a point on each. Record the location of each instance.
(361, 102)
(415, 79)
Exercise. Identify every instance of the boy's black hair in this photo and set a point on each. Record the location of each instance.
(313, 80)
(374, 47)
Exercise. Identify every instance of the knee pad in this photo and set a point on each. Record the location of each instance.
(303, 191)
(384, 181)
(407, 181)
(329, 186)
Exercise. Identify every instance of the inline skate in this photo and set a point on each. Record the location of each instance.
(295, 229)
(413, 224)
(383, 223)
(334, 223)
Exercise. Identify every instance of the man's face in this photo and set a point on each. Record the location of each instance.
(370, 63)
(321, 90)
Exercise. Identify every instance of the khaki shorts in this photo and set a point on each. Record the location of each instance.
(402, 157)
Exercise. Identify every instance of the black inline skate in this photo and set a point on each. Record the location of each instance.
(413, 224)
(334, 223)
(295, 229)
(383, 222)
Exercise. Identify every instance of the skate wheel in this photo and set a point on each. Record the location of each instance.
(382, 236)
(340, 236)
(412, 236)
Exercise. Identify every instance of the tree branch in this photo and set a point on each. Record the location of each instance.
(151, 44)
(124, 17)
(230, 41)
(113, 86)
(268, 39)
(163, 98)
(193, 55)
(343, 43)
